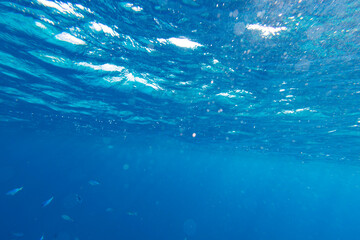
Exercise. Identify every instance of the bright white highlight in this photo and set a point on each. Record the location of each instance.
(40, 25)
(105, 67)
(265, 30)
(180, 42)
(226, 95)
(67, 37)
(61, 7)
(131, 78)
(101, 27)
(132, 7)
(184, 43)
(47, 20)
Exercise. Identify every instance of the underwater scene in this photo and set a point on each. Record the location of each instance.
(179, 120)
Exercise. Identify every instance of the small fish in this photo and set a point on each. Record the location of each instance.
(67, 218)
(18, 234)
(78, 198)
(47, 202)
(42, 237)
(93, 182)
(109, 209)
(132, 213)
(14, 191)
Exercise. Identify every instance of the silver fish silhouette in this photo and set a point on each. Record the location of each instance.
(67, 218)
(14, 191)
(93, 182)
(18, 234)
(47, 202)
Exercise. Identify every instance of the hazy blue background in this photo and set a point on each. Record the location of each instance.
(176, 190)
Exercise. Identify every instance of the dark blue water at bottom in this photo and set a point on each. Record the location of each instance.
(160, 188)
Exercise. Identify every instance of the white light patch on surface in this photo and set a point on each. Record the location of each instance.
(67, 37)
(137, 9)
(47, 20)
(40, 25)
(132, 78)
(307, 109)
(80, 6)
(302, 109)
(113, 79)
(184, 43)
(226, 95)
(265, 30)
(161, 40)
(83, 8)
(54, 59)
(288, 111)
(66, 8)
(101, 27)
(105, 67)
(132, 7)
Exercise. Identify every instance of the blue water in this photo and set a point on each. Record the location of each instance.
(189, 120)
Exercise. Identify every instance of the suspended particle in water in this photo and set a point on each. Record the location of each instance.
(314, 32)
(234, 14)
(189, 227)
(302, 66)
(126, 166)
(78, 198)
(72, 201)
(239, 28)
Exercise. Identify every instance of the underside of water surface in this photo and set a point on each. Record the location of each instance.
(267, 76)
